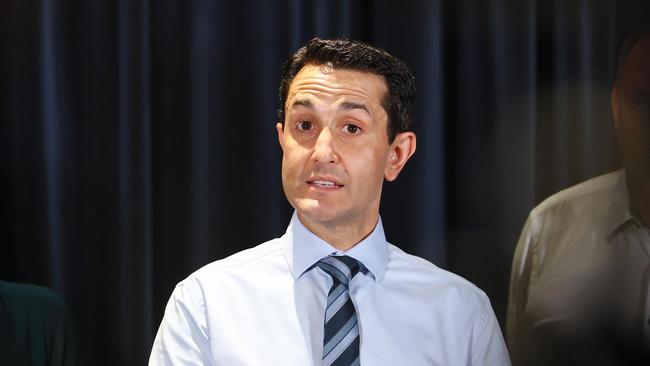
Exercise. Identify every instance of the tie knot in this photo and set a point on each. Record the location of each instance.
(341, 267)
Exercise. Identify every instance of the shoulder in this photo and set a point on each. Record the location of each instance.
(244, 258)
(32, 307)
(241, 265)
(412, 270)
(28, 297)
(580, 197)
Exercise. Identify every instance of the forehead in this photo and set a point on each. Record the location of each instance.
(636, 69)
(324, 81)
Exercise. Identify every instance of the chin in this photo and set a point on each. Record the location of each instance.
(314, 211)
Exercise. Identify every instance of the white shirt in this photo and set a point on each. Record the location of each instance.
(265, 306)
(580, 278)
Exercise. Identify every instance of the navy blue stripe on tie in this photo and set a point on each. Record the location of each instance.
(341, 339)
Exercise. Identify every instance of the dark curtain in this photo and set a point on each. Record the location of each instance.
(137, 137)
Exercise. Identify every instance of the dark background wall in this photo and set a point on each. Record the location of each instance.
(137, 137)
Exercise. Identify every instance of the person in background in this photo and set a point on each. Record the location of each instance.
(35, 329)
(332, 290)
(579, 290)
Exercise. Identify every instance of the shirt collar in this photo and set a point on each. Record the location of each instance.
(303, 249)
(618, 214)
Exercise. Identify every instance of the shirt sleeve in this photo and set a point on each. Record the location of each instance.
(489, 348)
(517, 329)
(183, 337)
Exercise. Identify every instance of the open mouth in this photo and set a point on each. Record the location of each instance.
(320, 183)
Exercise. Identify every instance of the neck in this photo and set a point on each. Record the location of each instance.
(639, 188)
(341, 236)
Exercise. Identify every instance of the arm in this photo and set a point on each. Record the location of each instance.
(183, 337)
(517, 330)
(488, 348)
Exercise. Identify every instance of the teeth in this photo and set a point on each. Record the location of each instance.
(324, 183)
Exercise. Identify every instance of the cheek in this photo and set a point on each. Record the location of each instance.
(370, 164)
(288, 167)
(293, 162)
(634, 141)
(637, 129)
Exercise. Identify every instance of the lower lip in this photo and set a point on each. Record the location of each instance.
(324, 188)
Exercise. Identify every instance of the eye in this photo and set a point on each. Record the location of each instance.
(352, 129)
(304, 126)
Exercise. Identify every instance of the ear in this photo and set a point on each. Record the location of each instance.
(613, 100)
(280, 128)
(401, 150)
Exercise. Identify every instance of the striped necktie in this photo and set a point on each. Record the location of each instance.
(341, 338)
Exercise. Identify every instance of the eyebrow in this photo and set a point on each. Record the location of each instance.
(351, 105)
(302, 102)
(344, 106)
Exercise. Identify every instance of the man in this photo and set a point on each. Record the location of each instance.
(332, 291)
(580, 276)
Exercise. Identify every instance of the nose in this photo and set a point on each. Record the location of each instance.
(324, 149)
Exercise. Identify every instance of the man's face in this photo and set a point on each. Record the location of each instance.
(631, 108)
(335, 145)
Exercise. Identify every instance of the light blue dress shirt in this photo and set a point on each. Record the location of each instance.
(265, 306)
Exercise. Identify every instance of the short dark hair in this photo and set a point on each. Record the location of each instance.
(354, 55)
(629, 43)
